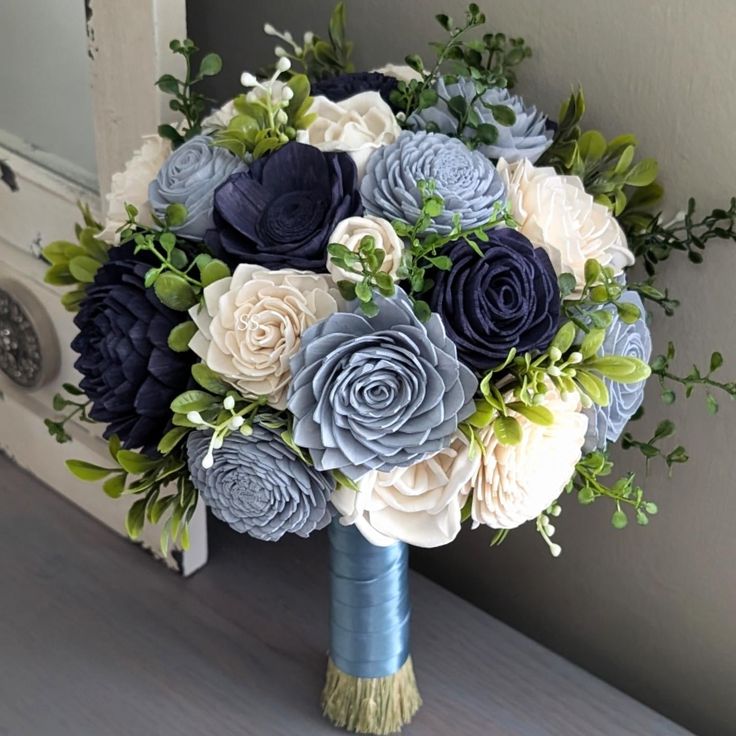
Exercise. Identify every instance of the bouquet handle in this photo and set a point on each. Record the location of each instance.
(370, 686)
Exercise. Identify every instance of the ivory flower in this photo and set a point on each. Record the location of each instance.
(402, 72)
(556, 213)
(516, 483)
(358, 126)
(252, 323)
(219, 118)
(419, 505)
(350, 233)
(130, 186)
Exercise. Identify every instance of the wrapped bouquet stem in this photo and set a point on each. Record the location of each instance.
(370, 685)
(385, 303)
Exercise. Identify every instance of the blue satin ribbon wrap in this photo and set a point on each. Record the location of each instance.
(369, 604)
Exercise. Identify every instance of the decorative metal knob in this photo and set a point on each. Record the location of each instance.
(29, 347)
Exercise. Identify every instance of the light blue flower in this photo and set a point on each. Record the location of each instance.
(189, 177)
(259, 486)
(606, 423)
(376, 393)
(527, 138)
(466, 180)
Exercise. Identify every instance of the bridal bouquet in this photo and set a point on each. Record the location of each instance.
(389, 302)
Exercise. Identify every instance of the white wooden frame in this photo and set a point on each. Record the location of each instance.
(128, 45)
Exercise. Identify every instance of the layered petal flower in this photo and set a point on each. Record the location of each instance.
(606, 423)
(351, 232)
(516, 483)
(527, 138)
(507, 299)
(357, 125)
(280, 212)
(420, 505)
(259, 486)
(466, 180)
(556, 213)
(377, 393)
(251, 326)
(128, 370)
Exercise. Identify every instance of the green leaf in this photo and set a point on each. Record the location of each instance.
(347, 289)
(135, 463)
(87, 471)
(593, 387)
(113, 447)
(363, 291)
(665, 428)
(414, 61)
(135, 518)
(209, 380)
(716, 361)
(176, 214)
(175, 292)
(458, 106)
(171, 439)
(537, 414)
(592, 146)
(213, 271)
(59, 275)
(486, 133)
(629, 313)
(168, 84)
(193, 400)
(567, 284)
(619, 368)
(503, 115)
(114, 486)
(507, 430)
(210, 65)
(643, 174)
(181, 335)
(422, 310)
(711, 404)
(592, 342)
(564, 338)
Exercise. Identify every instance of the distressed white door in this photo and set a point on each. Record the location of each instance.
(76, 95)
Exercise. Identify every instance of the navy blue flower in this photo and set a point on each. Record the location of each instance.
(281, 211)
(507, 299)
(129, 372)
(340, 88)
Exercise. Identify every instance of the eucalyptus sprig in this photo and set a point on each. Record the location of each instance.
(662, 368)
(423, 248)
(269, 116)
(607, 168)
(318, 58)
(650, 448)
(186, 100)
(182, 271)
(489, 62)
(75, 264)
(648, 290)
(653, 241)
(76, 404)
(624, 493)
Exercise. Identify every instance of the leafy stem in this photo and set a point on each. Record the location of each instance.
(79, 409)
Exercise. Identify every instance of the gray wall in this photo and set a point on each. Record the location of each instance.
(651, 610)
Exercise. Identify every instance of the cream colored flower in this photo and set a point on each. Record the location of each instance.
(350, 233)
(251, 325)
(516, 483)
(402, 72)
(556, 213)
(131, 186)
(220, 118)
(419, 505)
(358, 125)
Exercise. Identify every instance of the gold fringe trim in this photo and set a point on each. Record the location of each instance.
(375, 705)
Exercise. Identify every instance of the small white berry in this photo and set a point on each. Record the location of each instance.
(248, 80)
(555, 550)
(236, 422)
(229, 403)
(283, 64)
(269, 30)
(575, 357)
(280, 51)
(195, 417)
(555, 354)
(208, 461)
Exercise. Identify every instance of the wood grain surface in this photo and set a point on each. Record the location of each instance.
(98, 640)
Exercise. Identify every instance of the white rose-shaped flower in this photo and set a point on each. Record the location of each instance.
(219, 118)
(358, 126)
(556, 213)
(350, 233)
(130, 186)
(516, 483)
(251, 325)
(419, 505)
(402, 72)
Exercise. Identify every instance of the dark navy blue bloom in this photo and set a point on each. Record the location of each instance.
(129, 372)
(340, 88)
(507, 299)
(281, 211)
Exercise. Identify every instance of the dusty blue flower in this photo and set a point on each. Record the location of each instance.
(377, 392)
(189, 177)
(259, 486)
(606, 423)
(466, 180)
(527, 138)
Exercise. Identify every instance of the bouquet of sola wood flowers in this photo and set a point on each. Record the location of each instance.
(390, 303)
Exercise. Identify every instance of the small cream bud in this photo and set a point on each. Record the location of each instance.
(308, 38)
(288, 37)
(280, 51)
(236, 423)
(269, 30)
(575, 357)
(554, 371)
(208, 460)
(281, 117)
(248, 80)
(217, 441)
(195, 417)
(555, 354)
(283, 64)
(229, 403)
(287, 93)
(556, 510)
(549, 529)
(555, 550)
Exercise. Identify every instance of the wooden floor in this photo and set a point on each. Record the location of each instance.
(96, 639)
